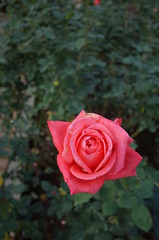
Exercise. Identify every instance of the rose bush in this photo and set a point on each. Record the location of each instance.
(93, 149)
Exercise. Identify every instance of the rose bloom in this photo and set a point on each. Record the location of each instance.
(93, 149)
(96, 2)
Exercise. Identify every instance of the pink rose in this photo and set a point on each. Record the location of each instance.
(96, 2)
(93, 149)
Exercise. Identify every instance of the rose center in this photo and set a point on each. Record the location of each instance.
(91, 145)
(91, 142)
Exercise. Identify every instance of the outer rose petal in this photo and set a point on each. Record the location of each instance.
(132, 160)
(58, 130)
(77, 185)
(122, 140)
(80, 115)
(118, 121)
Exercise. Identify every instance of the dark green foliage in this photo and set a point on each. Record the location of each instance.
(57, 58)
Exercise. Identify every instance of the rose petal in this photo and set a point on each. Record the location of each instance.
(122, 140)
(118, 121)
(77, 185)
(131, 162)
(101, 129)
(77, 171)
(82, 141)
(109, 142)
(74, 149)
(86, 134)
(91, 160)
(89, 144)
(75, 154)
(80, 115)
(130, 140)
(58, 130)
(108, 153)
(66, 151)
(93, 116)
(80, 123)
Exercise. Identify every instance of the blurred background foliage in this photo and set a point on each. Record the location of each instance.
(57, 58)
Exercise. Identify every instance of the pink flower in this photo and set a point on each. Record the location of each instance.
(93, 149)
(96, 2)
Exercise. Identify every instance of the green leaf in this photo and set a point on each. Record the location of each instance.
(137, 237)
(126, 200)
(67, 207)
(46, 186)
(26, 200)
(142, 217)
(146, 189)
(82, 198)
(11, 225)
(109, 208)
(3, 60)
(19, 188)
(48, 170)
(77, 232)
(22, 210)
(108, 192)
(154, 174)
(103, 235)
(123, 183)
(80, 43)
(37, 207)
(49, 33)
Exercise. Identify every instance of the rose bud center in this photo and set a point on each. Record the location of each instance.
(91, 145)
(91, 151)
